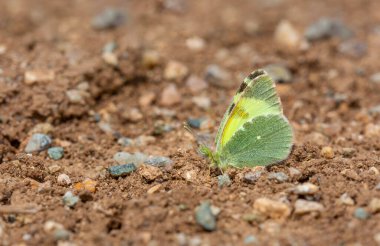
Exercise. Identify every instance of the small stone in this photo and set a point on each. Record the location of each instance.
(133, 115)
(271, 208)
(353, 48)
(151, 59)
(109, 47)
(252, 177)
(294, 173)
(154, 189)
(144, 140)
(279, 73)
(250, 239)
(54, 169)
(61, 235)
(170, 96)
(196, 84)
(348, 152)
(158, 161)
(190, 175)
(125, 141)
(218, 76)
(326, 28)
(50, 226)
(55, 153)
(251, 27)
(376, 237)
(160, 128)
(76, 96)
(123, 157)
(204, 216)
(374, 170)
(361, 213)
(304, 207)
(374, 205)
(195, 43)
(202, 102)
(147, 99)
(346, 200)
(375, 109)
(109, 18)
(69, 199)
(278, 176)
(38, 142)
(175, 71)
(121, 170)
(375, 78)
(150, 173)
(88, 185)
(224, 180)
(44, 128)
(3, 49)
(110, 58)
(178, 6)
(306, 189)
(327, 152)
(372, 130)
(63, 179)
(34, 76)
(195, 122)
(287, 36)
(351, 174)
(316, 138)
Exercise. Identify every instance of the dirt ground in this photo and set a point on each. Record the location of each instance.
(56, 79)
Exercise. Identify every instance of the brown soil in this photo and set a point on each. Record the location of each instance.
(57, 35)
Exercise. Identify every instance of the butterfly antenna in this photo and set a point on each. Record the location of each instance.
(191, 131)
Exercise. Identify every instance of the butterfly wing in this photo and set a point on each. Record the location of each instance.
(256, 96)
(263, 140)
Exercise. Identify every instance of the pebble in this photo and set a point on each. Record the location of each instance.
(154, 189)
(147, 99)
(196, 84)
(302, 206)
(361, 213)
(109, 18)
(178, 6)
(121, 170)
(110, 58)
(132, 115)
(327, 152)
(76, 96)
(224, 180)
(175, 70)
(306, 189)
(316, 138)
(271, 208)
(250, 239)
(346, 200)
(151, 59)
(195, 122)
(374, 170)
(109, 47)
(44, 128)
(127, 158)
(252, 177)
(55, 153)
(150, 173)
(279, 73)
(144, 140)
(372, 130)
(125, 141)
(170, 96)
(50, 226)
(218, 76)
(204, 216)
(375, 78)
(326, 28)
(61, 235)
(374, 205)
(278, 176)
(353, 48)
(294, 173)
(195, 43)
(87, 185)
(54, 169)
(287, 36)
(3, 49)
(251, 27)
(348, 152)
(190, 175)
(351, 174)
(374, 109)
(63, 179)
(38, 142)
(202, 102)
(34, 76)
(158, 161)
(69, 199)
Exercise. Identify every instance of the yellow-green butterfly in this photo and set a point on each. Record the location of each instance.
(254, 131)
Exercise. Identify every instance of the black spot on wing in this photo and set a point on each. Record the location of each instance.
(255, 74)
(231, 108)
(242, 87)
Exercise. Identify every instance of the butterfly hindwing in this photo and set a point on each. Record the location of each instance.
(263, 140)
(256, 96)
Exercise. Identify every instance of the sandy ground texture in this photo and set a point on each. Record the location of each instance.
(85, 85)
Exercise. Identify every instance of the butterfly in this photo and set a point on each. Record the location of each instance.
(254, 131)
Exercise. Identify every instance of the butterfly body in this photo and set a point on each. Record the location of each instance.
(254, 130)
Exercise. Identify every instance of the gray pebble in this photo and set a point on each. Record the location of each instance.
(279, 176)
(326, 28)
(61, 235)
(109, 18)
(121, 170)
(353, 48)
(109, 47)
(38, 142)
(224, 180)
(122, 157)
(217, 76)
(252, 177)
(279, 73)
(361, 213)
(55, 153)
(69, 199)
(250, 239)
(195, 122)
(205, 217)
(125, 141)
(158, 161)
